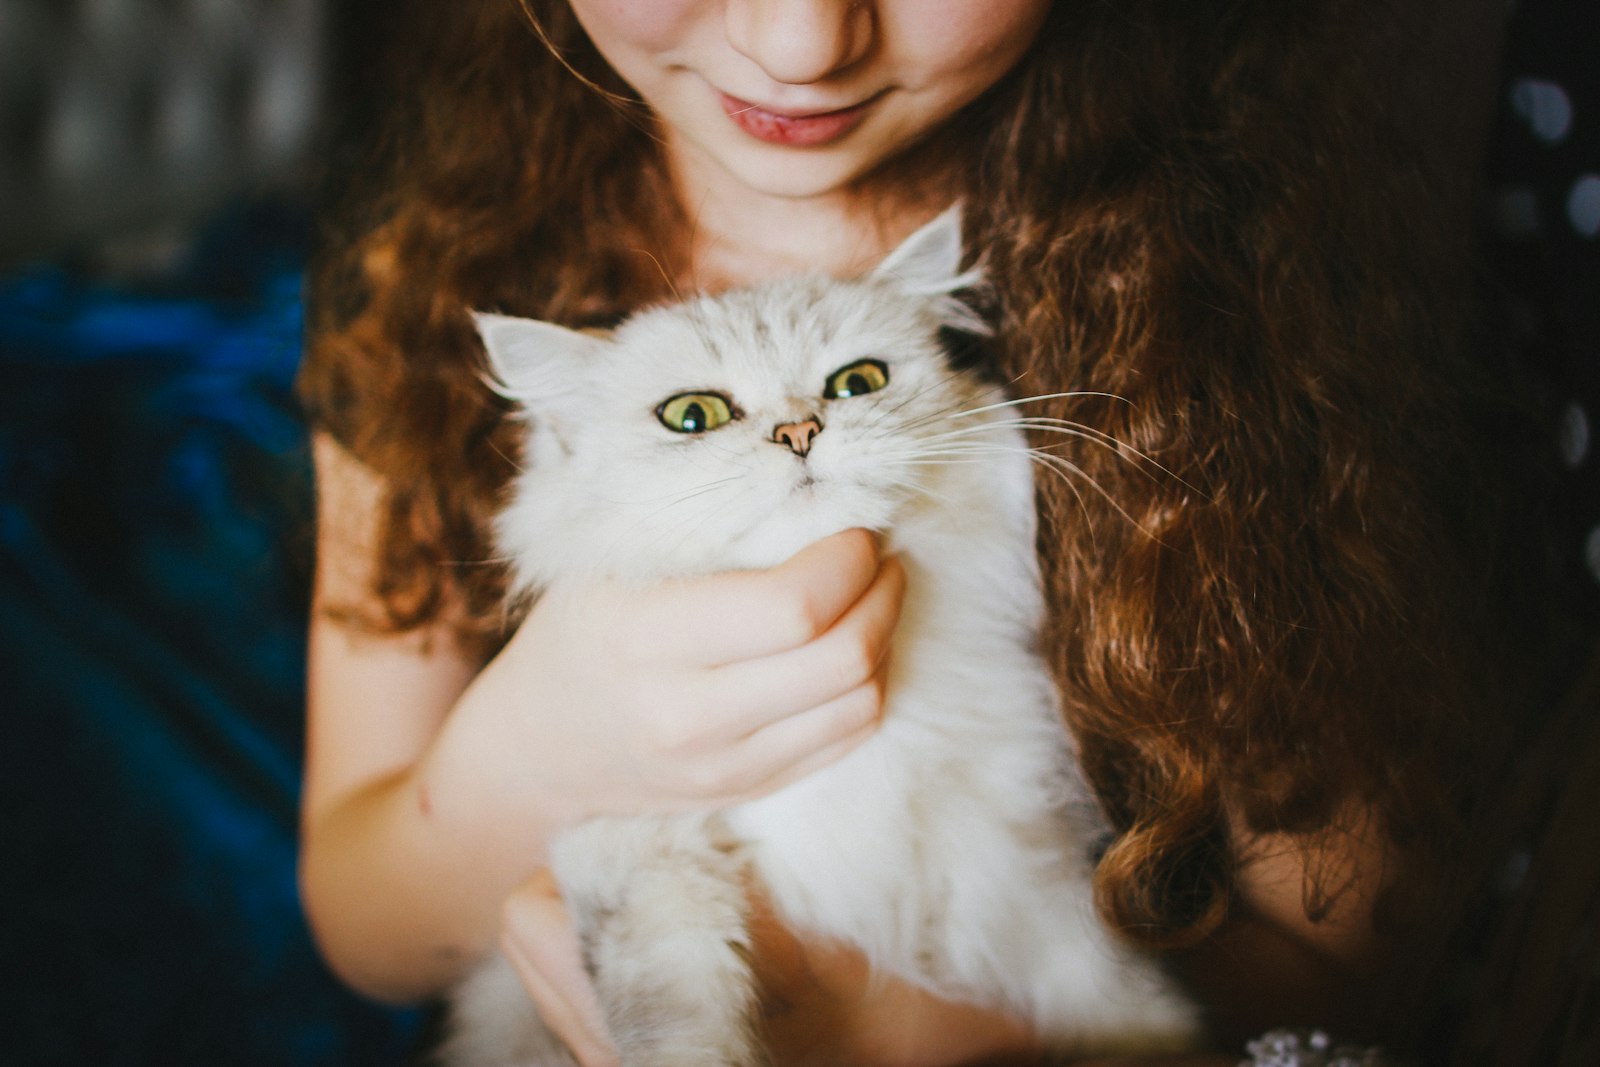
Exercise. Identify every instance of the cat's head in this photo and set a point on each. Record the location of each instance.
(734, 429)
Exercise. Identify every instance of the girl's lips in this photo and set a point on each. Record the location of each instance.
(800, 131)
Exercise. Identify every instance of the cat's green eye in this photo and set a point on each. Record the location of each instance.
(862, 376)
(695, 412)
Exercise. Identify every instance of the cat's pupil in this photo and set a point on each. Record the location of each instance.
(694, 418)
(856, 383)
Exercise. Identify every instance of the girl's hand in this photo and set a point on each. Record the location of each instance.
(695, 694)
(433, 784)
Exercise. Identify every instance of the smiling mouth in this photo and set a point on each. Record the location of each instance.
(794, 130)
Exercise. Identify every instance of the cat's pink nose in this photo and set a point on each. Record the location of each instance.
(797, 435)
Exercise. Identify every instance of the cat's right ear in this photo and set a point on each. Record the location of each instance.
(928, 263)
(532, 362)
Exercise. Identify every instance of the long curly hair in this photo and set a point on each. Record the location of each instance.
(1208, 220)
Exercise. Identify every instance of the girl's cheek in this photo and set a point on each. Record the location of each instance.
(641, 25)
(957, 37)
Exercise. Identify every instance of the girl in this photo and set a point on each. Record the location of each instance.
(1269, 655)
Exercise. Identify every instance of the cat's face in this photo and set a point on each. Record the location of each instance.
(732, 430)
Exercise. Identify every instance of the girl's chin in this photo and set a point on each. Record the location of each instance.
(793, 179)
(796, 173)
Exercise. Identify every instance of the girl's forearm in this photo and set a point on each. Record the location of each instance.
(399, 907)
(403, 884)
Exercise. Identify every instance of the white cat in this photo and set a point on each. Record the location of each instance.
(952, 847)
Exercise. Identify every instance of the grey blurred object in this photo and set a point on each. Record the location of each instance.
(127, 120)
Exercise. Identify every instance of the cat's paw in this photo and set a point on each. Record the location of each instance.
(493, 1024)
(661, 913)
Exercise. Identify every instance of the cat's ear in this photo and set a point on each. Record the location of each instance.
(531, 361)
(928, 263)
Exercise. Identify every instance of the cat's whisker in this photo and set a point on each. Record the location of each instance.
(1121, 448)
(954, 411)
(917, 488)
(703, 519)
(920, 449)
(691, 494)
(1018, 401)
(948, 411)
(1072, 474)
(1029, 420)
(885, 412)
(739, 457)
(977, 453)
(954, 447)
(979, 432)
(487, 561)
(682, 494)
(1081, 431)
(683, 497)
(1042, 423)
(981, 452)
(930, 459)
(515, 466)
(1049, 424)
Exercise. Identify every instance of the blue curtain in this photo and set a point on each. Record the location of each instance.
(155, 532)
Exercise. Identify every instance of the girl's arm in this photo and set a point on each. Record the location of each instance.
(1270, 966)
(373, 868)
(433, 787)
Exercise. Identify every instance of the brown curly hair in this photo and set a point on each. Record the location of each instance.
(1268, 611)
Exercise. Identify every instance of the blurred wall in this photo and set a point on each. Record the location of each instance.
(127, 117)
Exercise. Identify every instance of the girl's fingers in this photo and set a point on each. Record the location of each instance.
(743, 615)
(836, 663)
(795, 747)
(539, 941)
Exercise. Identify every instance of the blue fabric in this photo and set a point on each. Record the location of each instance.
(154, 560)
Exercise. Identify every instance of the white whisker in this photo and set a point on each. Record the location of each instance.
(1076, 430)
(682, 497)
(1074, 395)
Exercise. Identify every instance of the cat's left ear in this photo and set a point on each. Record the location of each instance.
(530, 361)
(928, 263)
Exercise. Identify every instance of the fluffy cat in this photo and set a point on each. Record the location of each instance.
(952, 847)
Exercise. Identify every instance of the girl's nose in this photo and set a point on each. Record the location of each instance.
(800, 41)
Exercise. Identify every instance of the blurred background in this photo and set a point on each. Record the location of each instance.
(159, 162)
(160, 166)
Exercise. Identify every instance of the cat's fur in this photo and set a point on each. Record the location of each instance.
(952, 847)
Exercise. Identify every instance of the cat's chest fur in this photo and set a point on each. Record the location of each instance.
(970, 729)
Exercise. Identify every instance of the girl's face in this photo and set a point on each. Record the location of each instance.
(798, 98)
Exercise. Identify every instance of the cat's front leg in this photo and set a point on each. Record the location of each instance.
(661, 914)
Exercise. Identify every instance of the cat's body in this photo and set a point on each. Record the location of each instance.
(953, 846)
